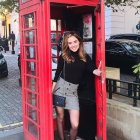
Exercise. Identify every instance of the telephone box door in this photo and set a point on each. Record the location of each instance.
(36, 70)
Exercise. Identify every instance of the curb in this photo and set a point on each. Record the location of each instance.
(10, 126)
(12, 134)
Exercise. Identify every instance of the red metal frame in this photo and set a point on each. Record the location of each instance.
(43, 63)
(100, 82)
(78, 2)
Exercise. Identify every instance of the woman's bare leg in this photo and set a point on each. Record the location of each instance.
(74, 120)
(60, 118)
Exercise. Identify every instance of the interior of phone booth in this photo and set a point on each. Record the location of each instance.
(81, 19)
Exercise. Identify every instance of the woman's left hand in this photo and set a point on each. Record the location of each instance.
(98, 71)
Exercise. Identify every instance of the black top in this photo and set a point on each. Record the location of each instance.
(73, 72)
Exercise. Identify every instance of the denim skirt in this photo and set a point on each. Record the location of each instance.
(68, 90)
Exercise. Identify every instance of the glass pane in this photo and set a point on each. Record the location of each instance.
(30, 37)
(53, 25)
(29, 20)
(24, 1)
(30, 52)
(54, 63)
(59, 37)
(31, 68)
(54, 51)
(53, 37)
(59, 25)
(31, 83)
(32, 114)
(33, 129)
(32, 99)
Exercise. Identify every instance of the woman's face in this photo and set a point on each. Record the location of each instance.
(73, 43)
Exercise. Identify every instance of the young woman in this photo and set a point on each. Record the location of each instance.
(72, 65)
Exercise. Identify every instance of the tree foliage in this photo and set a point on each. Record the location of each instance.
(117, 5)
(9, 6)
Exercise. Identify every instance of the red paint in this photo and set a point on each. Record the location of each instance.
(38, 111)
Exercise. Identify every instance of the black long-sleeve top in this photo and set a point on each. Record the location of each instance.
(73, 72)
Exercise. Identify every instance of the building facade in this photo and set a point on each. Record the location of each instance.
(121, 22)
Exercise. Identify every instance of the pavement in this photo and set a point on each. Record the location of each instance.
(11, 101)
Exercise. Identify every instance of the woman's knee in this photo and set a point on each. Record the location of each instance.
(74, 126)
(60, 117)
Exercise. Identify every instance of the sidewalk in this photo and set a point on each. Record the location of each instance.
(13, 134)
(10, 97)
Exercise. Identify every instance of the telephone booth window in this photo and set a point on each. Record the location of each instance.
(30, 52)
(56, 34)
(53, 25)
(53, 37)
(32, 113)
(29, 20)
(31, 89)
(31, 68)
(30, 37)
(33, 129)
(32, 99)
(32, 83)
(59, 25)
(23, 1)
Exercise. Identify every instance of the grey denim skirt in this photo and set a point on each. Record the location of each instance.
(68, 90)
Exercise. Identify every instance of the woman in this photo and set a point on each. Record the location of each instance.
(72, 65)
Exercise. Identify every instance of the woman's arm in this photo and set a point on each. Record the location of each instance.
(97, 71)
(91, 67)
(58, 71)
(59, 68)
(53, 85)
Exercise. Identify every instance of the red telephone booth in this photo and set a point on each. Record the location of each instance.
(42, 23)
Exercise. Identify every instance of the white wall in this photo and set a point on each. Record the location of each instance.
(15, 23)
(1, 28)
(15, 29)
(123, 120)
(114, 22)
(120, 22)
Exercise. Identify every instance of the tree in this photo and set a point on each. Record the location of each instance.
(9, 5)
(6, 8)
(117, 5)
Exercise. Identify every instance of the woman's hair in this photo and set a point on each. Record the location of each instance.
(66, 51)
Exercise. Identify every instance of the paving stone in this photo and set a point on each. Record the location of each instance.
(10, 93)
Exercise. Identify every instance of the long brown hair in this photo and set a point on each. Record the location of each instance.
(66, 51)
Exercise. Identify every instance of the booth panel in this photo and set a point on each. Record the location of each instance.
(27, 3)
(30, 74)
(36, 68)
